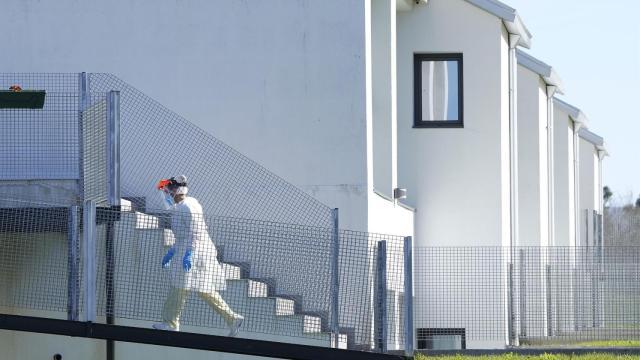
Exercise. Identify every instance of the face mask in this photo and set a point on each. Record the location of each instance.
(167, 199)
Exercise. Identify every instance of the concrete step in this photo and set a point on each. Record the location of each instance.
(342, 341)
(232, 272)
(284, 306)
(126, 205)
(246, 287)
(145, 221)
(308, 323)
(277, 306)
(265, 312)
(139, 220)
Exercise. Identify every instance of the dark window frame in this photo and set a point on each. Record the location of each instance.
(417, 90)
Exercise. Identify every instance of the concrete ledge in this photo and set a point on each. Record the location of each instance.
(183, 339)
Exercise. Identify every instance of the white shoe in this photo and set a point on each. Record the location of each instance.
(235, 326)
(166, 327)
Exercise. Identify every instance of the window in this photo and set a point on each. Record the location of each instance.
(441, 339)
(437, 80)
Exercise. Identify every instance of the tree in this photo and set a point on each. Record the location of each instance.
(607, 194)
(638, 202)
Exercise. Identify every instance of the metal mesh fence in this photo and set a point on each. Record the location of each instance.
(37, 144)
(264, 275)
(622, 226)
(278, 276)
(66, 139)
(157, 143)
(288, 270)
(94, 145)
(482, 297)
(35, 258)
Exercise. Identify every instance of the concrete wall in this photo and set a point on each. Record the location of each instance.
(456, 176)
(532, 159)
(55, 192)
(286, 75)
(457, 179)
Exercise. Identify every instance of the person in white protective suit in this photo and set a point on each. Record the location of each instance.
(195, 267)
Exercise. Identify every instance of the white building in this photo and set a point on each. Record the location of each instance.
(537, 83)
(457, 167)
(591, 150)
(351, 101)
(568, 120)
(457, 164)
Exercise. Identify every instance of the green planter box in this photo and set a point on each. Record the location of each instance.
(26, 99)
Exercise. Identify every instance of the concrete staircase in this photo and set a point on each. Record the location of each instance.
(145, 239)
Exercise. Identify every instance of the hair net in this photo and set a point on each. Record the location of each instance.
(181, 185)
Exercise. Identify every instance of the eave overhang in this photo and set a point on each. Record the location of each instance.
(574, 113)
(546, 72)
(510, 18)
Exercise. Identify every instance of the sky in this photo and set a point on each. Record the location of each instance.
(594, 46)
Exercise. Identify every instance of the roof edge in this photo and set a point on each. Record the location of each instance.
(510, 18)
(541, 68)
(591, 137)
(574, 113)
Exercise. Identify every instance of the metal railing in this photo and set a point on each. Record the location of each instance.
(105, 265)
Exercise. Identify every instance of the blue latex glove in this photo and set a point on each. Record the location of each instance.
(166, 260)
(186, 260)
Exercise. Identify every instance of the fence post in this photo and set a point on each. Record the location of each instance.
(510, 305)
(408, 296)
(381, 297)
(113, 198)
(89, 255)
(73, 291)
(523, 295)
(599, 268)
(113, 148)
(335, 280)
(576, 294)
(83, 103)
(549, 301)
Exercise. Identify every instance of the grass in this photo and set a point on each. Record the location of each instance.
(594, 356)
(609, 343)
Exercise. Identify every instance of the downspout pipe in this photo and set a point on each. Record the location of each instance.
(514, 40)
(513, 138)
(551, 90)
(576, 180)
(602, 152)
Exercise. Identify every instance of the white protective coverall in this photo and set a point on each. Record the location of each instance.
(206, 276)
(190, 230)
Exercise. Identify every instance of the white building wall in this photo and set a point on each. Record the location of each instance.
(289, 84)
(532, 159)
(383, 58)
(588, 188)
(533, 199)
(563, 179)
(284, 75)
(455, 175)
(457, 179)
(564, 304)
